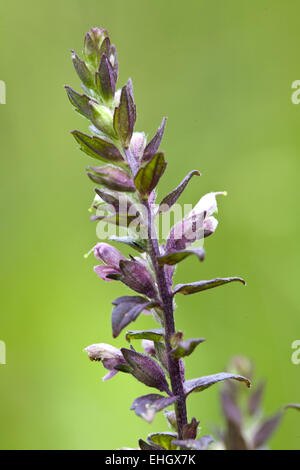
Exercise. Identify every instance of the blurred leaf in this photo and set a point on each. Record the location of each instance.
(147, 405)
(154, 144)
(146, 370)
(169, 200)
(295, 406)
(266, 430)
(191, 444)
(149, 175)
(255, 399)
(156, 334)
(176, 256)
(171, 419)
(163, 439)
(98, 148)
(194, 287)
(202, 383)
(126, 310)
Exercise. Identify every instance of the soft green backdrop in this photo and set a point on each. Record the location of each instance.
(222, 72)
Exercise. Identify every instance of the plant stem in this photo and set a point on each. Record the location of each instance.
(169, 324)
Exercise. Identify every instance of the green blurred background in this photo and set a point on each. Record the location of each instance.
(222, 73)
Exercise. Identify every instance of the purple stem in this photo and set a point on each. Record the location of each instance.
(169, 324)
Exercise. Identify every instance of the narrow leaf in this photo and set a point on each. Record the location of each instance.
(98, 148)
(266, 430)
(105, 79)
(194, 287)
(175, 257)
(169, 200)
(145, 446)
(112, 177)
(202, 383)
(295, 406)
(148, 176)
(147, 405)
(163, 439)
(190, 430)
(154, 144)
(157, 334)
(81, 102)
(255, 399)
(139, 245)
(124, 117)
(126, 310)
(146, 370)
(83, 72)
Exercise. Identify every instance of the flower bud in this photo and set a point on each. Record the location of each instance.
(137, 145)
(108, 254)
(112, 177)
(92, 43)
(109, 355)
(148, 346)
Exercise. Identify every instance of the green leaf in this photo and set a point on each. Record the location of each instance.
(98, 148)
(176, 256)
(185, 348)
(202, 383)
(157, 334)
(147, 405)
(169, 200)
(81, 102)
(149, 175)
(125, 116)
(194, 287)
(85, 75)
(145, 446)
(163, 439)
(139, 245)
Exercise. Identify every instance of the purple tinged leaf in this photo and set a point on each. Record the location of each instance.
(230, 409)
(139, 245)
(172, 197)
(98, 148)
(80, 102)
(126, 310)
(114, 61)
(190, 430)
(194, 287)
(105, 79)
(125, 117)
(265, 431)
(156, 334)
(105, 47)
(163, 439)
(175, 257)
(255, 399)
(161, 354)
(202, 383)
(111, 177)
(146, 370)
(147, 405)
(149, 175)
(154, 144)
(137, 277)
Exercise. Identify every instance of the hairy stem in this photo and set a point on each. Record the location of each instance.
(169, 324)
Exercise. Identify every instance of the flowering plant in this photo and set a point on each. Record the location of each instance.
(129, 172)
